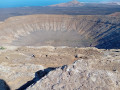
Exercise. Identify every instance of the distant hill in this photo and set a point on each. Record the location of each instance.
(71, 8)
(113, 3)
(76, 3)
(73, 3)
(115, 14)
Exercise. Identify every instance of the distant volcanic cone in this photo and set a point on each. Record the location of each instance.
(73, 3)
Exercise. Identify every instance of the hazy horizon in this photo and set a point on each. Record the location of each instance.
(25, 3)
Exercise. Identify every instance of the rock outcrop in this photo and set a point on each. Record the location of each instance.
(79, 76)
(98, 31)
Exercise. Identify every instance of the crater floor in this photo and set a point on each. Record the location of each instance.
(52, 38)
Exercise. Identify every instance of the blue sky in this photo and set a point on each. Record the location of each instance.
(22, 3)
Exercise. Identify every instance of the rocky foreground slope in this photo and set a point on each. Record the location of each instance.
(82, 75)
(87, 30)
(49, 68)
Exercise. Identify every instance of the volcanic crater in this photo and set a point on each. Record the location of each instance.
(62, 30)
